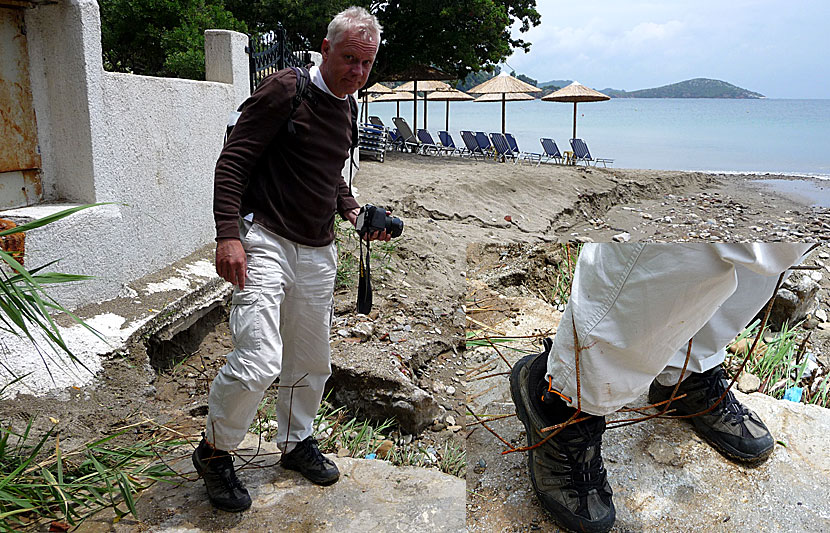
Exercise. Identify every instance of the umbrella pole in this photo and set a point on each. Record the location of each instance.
(425, 110)
(503, 101)
(574, 137)
(448, 117)
(398, 108)
(415, 105)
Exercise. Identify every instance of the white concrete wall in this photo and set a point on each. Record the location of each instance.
(147, 144)
(66, 71)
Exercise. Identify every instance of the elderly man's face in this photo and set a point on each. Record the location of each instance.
(347, 64)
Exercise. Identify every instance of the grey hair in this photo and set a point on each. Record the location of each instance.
(354, 18)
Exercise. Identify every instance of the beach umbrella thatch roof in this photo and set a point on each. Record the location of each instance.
(379, 88)
(424, 86)
(392, 97)
(509, 97)
(504, 84)
(576, 92)
(452, 95)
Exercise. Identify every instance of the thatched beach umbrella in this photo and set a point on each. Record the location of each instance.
(575, 92)
(393, 97)
(503, 85)
(374, 90)
(425, 86)
(449, 96)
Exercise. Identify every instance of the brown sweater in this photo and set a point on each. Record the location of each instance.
(291, 183)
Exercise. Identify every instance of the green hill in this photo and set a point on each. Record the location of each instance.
(695, 88)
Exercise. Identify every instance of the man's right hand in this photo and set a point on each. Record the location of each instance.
(230, 261)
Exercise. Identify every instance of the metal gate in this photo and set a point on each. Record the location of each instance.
(269, 52)
(20, 164)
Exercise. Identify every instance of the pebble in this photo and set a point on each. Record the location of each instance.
(450, 420)
(450, 390)
(621, 237)
(343, 452)
(821, 314)
(748, 383)
(385, 448)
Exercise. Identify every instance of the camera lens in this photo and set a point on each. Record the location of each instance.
(394, 226)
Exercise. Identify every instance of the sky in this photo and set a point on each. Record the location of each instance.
(779, 49)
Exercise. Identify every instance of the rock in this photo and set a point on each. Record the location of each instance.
(343, 452)
(438, 426)
(792, 303)
(397, 336)
(821, 315)
(438, 387)
(450, 420)
(621, 237)
(748, 382)
(381, 395)
(343, 332)
(370, 496)
(450, 390)
(363, 331)
(385, 448)
(454, 429)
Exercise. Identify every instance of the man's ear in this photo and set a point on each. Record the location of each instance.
(325, 48)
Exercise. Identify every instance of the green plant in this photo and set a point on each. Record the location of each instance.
(25, 306)
(335, 429)
(345, 240)
(780, 365)
(41, 482)
(561, 292)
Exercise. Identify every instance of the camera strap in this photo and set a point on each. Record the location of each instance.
(364, 283)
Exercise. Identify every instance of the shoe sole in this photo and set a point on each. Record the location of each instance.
(200, 470)
(729, 453)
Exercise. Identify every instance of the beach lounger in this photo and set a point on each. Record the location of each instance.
(502, 148)
(446, 140)
(484, 143)
(581, 153)
(376, 121)
(473, 149)
(527, 156)
(428, 145)
(409, 141)
(551, 150)
(372, 141)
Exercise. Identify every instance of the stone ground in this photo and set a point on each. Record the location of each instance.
(664, 477)
(413, 352)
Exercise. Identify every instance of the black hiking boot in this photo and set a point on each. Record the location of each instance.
(731, 428)
(306, 459)
(566, 471)
(224, 489)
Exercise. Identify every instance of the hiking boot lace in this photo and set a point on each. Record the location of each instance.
(715, 383)
(590, 474)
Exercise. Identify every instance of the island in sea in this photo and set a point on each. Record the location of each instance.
(694, 88)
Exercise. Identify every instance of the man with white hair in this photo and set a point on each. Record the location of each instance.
(277, 188)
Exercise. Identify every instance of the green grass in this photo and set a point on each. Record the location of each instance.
(561, 291)
(41, 482)
(781, 366)
(336, 429)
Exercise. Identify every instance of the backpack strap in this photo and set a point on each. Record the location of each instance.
(303, 80)
(355, 131)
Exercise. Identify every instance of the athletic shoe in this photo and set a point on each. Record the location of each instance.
(731, 428)
(224, 489)
(306, 459)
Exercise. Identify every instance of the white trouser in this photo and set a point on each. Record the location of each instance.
(635, 307)
(280, 326)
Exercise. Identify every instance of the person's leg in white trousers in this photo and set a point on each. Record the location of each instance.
(635, 307)
(280, 326)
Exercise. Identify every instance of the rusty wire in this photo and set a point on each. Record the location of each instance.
(663, 406)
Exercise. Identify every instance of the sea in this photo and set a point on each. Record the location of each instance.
(775, 136)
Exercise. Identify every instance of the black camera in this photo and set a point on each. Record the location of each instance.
(372, 218)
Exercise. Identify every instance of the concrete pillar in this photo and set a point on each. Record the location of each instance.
(227, 62)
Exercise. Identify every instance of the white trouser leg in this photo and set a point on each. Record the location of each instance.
(305, 322)
(283, 278)
(635, 307)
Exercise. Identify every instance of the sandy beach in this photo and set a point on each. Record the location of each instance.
(498, 202)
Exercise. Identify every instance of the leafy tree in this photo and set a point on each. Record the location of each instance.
(161, 37)
(165, 37)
